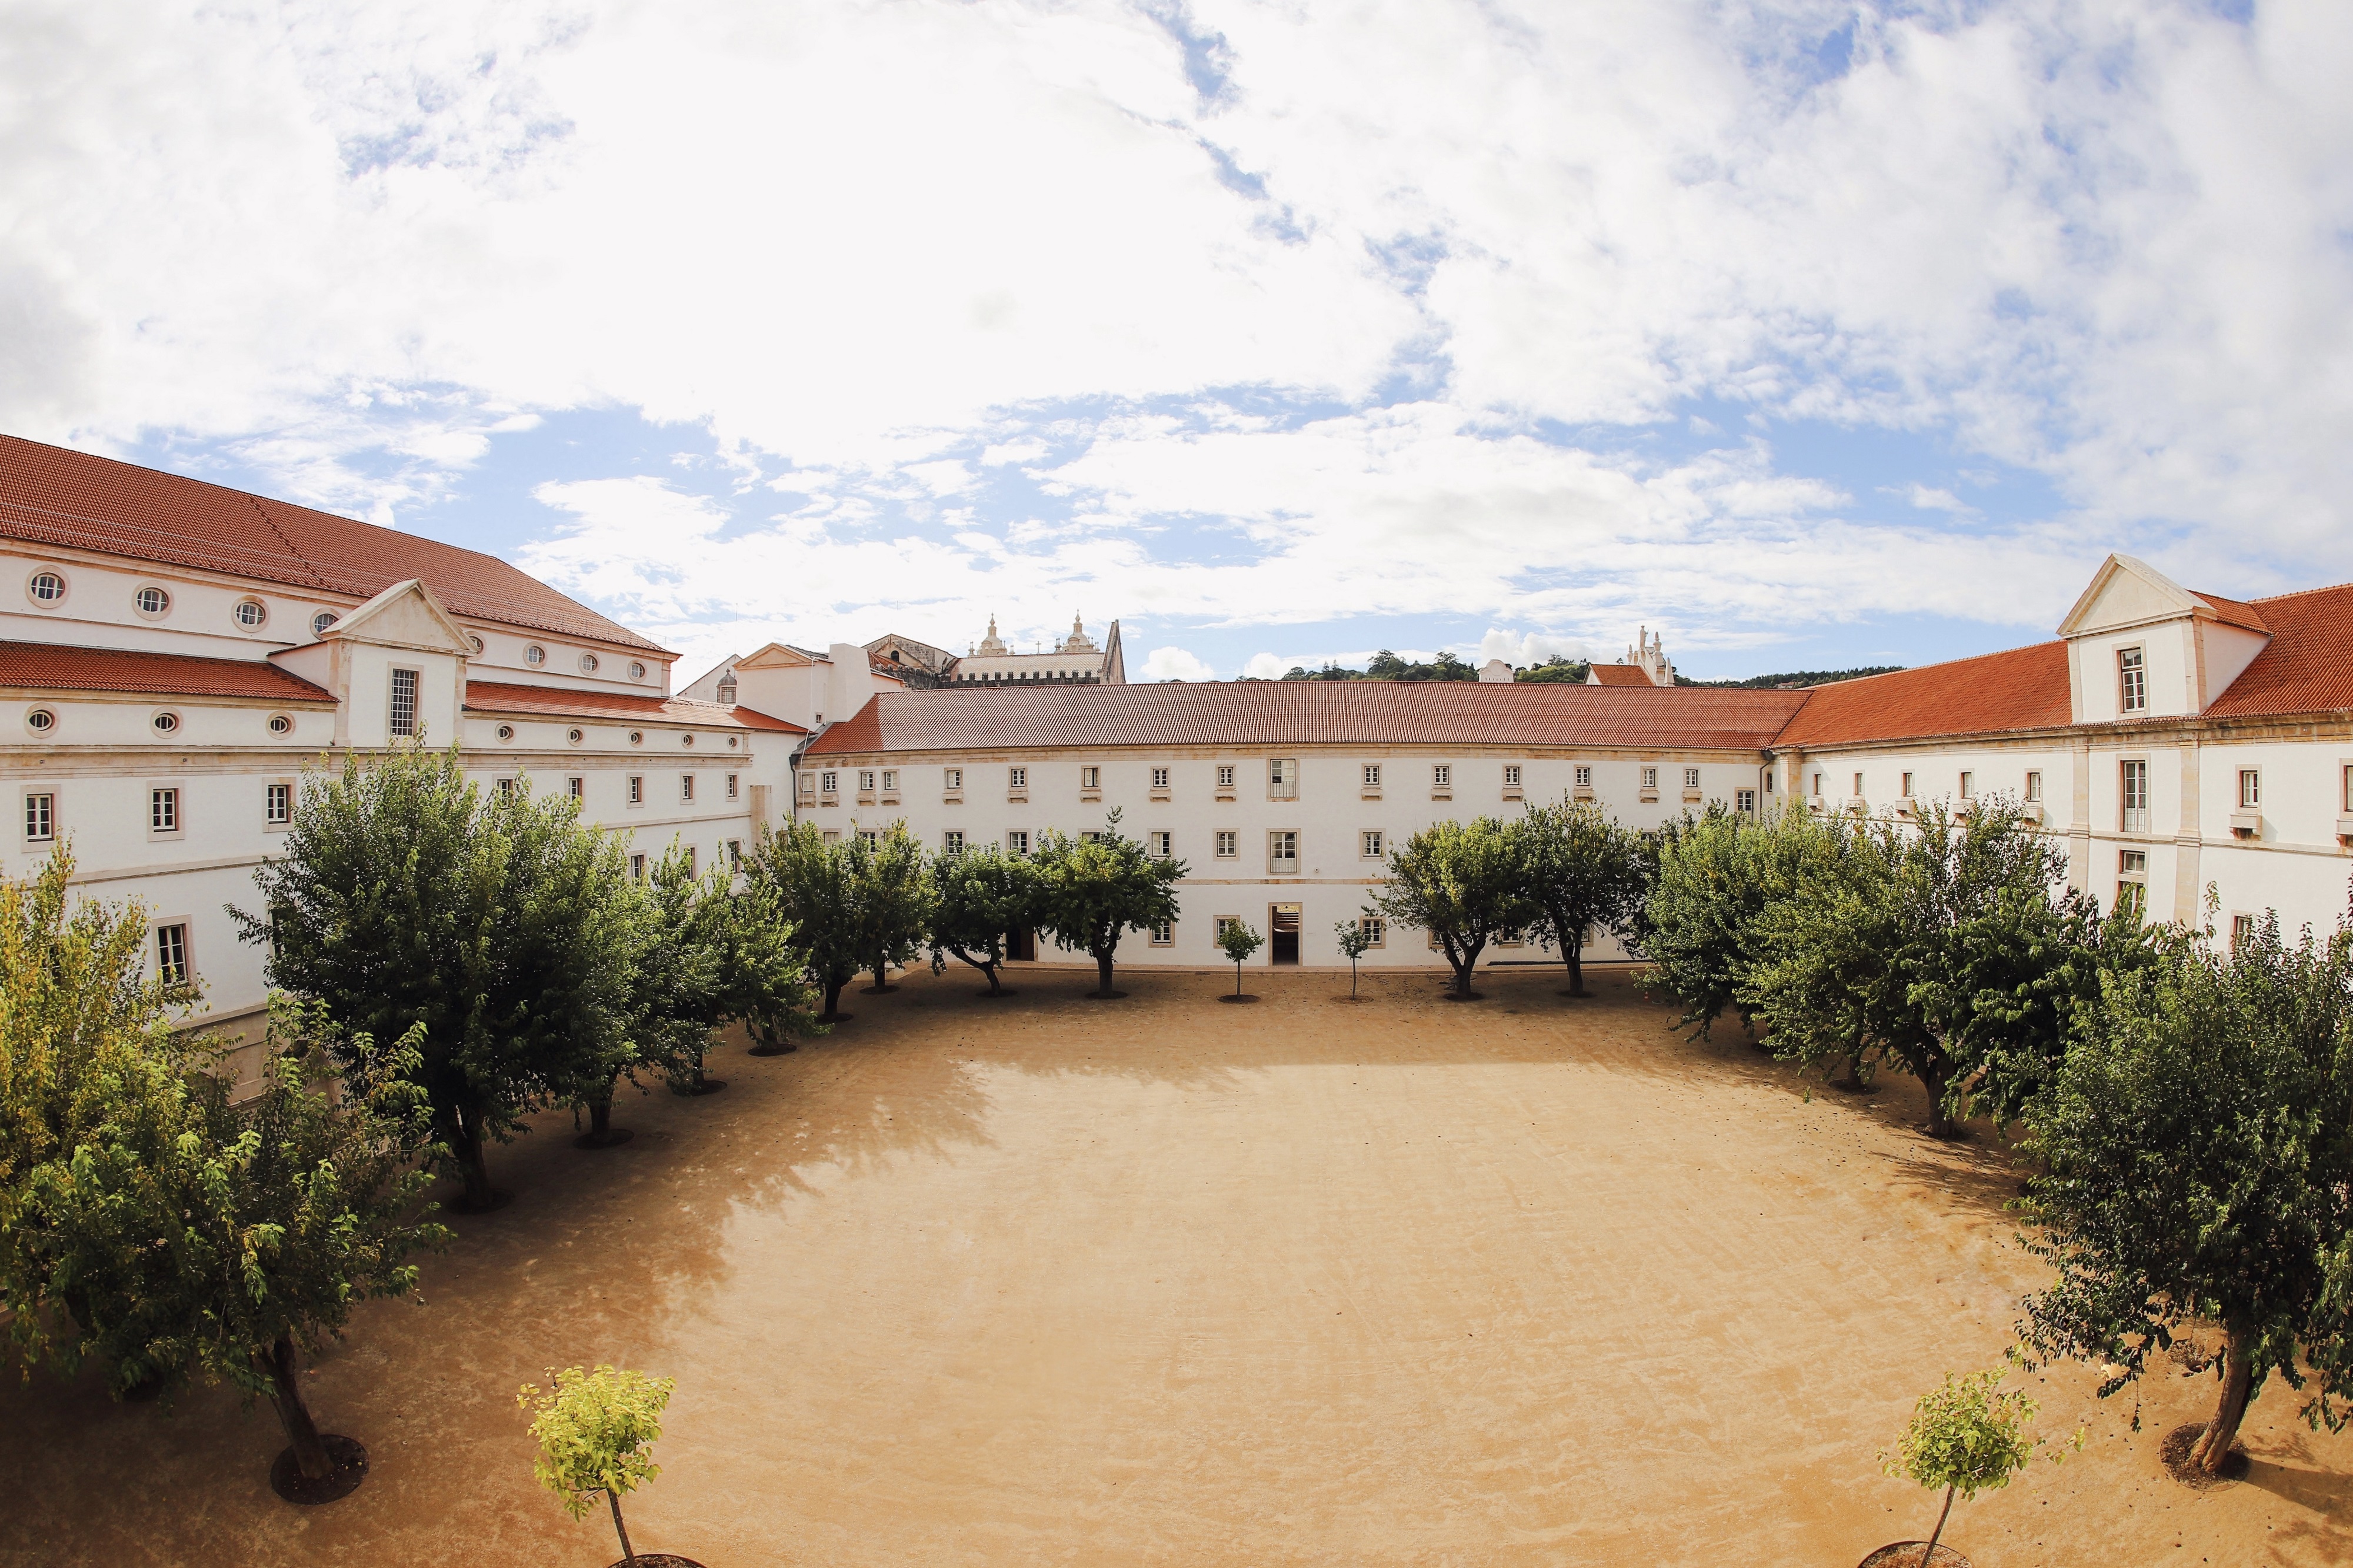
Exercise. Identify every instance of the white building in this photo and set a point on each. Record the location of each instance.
(1075, 660)
(176, 655)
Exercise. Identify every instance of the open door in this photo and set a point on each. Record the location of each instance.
(1022, 942)
(1282, 926)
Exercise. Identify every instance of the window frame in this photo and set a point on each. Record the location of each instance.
(952, 841)
(1278, 839)
(1225, 775)
(1160, 844)
(1160, 777)
(1016, 843)
(636, 795)
(274, 792)
(2251, 789)
(1441, 776)
(1376, 929)
(1017, 777)
(157, 945)
(416, 692)
(1372, 844)
(47, 832)
(2132, 679)
(2133, 782)
(163, 800)
(1282, 778)
(1228, 845)
(685, 787)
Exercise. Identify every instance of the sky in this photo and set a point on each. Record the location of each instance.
(1806, 334)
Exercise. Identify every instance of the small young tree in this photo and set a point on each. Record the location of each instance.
(1583, 874)
(1356, 938)
(894, 899)
(594, 1429)
(2198, 1145)
(985, 894)
(811, 884)
(1092, 890)
(1968, 1437)
(1239, 942)
(1462, 882)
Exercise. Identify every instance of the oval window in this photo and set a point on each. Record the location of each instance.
(732, 741)
(534, 654)
(281, 725)
(637, 737)
(476, 642)
(686, 740)
(506, 731)
(152, 600)
(166, 724)
(587, 664)
(45, 588)
(321, 622)
(250, 614)
(637, 671)
(40, 720)
(573, 735)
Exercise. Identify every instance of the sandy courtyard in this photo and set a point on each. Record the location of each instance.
(1050, 1280)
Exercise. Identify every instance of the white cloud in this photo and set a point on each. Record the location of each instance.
(1176, 664)
(1518, 649)
(1265, 666)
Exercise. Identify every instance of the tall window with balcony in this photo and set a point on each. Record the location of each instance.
(2132, 882)
(1282, 779)
(172, 954)
(1282, 852)
(2132, 790)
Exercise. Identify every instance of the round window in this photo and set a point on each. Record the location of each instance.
(151, 601)
(166, 723)
(587, 664)
(573, 735)
(476, 642)
(686, 740)
(321, 622)
(637, 737)
(250, 614)
(45, 588)
(534, 654)
(281, 723)
(637, 671)
(40, 720)
(506, 731)
(733, 741)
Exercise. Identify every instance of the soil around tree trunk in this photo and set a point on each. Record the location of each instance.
(1899, 1555)
(673, 1559)
(610, 1138)
(773, 1048)
(1235, 996)
(1450, 995)
(1105, 995)
(347, 1461)
(2178, 1446)
(701, 1086)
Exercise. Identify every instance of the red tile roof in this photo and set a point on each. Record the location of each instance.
(1267, 713)
(2024, 688)
(1619, 674)
(2307, 668)
(49, 495)
(496, 697)
(2234, 613)
(48, 665)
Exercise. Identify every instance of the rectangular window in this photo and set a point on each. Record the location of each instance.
(1229, 845)
(734, 853)
(636, 868)
(1376, 929)
(2242, 930)
(866, 778)
(952, 842)
(870, 837)
(1163, 844)
(1512, 775)
(1282, 778)
(278, 805)
(1225, 924)
(1858, 786)
(1016, 843)
(403, 702)
(1745, 800)
(1818, 784)
(1164, 933)
(808, 786)
(1225, 775)
(1651, 778)
(1441, 776)
(2133, 792)
(1968, 785)
(690, 860)
(1283, 850)
(172, 954)
(1584, 776)
(577, 787)
(1160, 778)
(833, 836)
(686, 786)
(2034, 786)
(40, 817)
(2131, 862)
(506, 788)
(2251, 788)
(1091, 778)
(2131, 681)
(1691, 778)
(1906, 791)
(1372, 775)
(636, 789)
(163, 811)
(830, 782)
(1017, 778)
(732, 792)
(889, 781)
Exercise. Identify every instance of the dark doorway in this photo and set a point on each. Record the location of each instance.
(1022, 942)
(1282, 920)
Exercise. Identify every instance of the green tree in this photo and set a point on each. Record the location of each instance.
(594, 1429)
(502, 923)
(1713, 879)
(811, 883)
(1092, 890)
(2198, 1164)
(1354, 937)
(1238, 942)
(1968, 1437)
(763, 969)
(680, 996)
(1556, 670)
(894, 897)
(985, 895)
(1582, 874)
(1462, 882)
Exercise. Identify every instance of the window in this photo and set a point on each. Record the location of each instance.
(478, 644)
(1372, 775)
(1375, 930)
(1744, 801)
(172, 954)
(281, 723)
(2133, 790)
(1163, 845)
(733, 791)
(1283, 850)
(506, 789)
(1016, 843)
(890, 782)
(690, 860)
(1225, 775)
(2346, 797)
(808, 786)
(954, 778)
(1858, 786)
(1229, 845)
(830, 782)
(1906, 791)
(1512, 775)
(866, 778)
(734, 853)
(506, 731)
(686, 786)
(1968, 785)
(2251, 788)
(403, 702)
(1160, 778)
(166, 724)
(636, 789)
(40, 720)
(1017, 778)
(2131, 683)
(2132, 893)
(1818, 784)
(325, 618)
(952, 842)
(1584, 775)
(587, 664)
(163, 811)
(637, 671)
(1282, 778)
(1441, 776)
(636, 868)
(46, 588)
(577, 787)
(40, 817)
(2243, 930)
(1371, 839)
(152, 600)
(534, 654)
(1225, 924)
(250, 614)
(637, 737)
(1091, 778)
(1691, 778)
(278, 805)
(1164, 933)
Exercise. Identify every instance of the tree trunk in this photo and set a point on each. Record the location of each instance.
(1928, 1558)
(989, 969)
(286, 1393)
(1237, 976)
(2214, 1450)
(833, 997)
(628, 1553)
(473, 1167)
(1931, 1079)
(1102, 974)
(1852, 1077)
(1352, 979)
(600, 1115)
(1576, 956)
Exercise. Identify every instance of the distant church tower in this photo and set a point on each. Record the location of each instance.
(1648, 654)
(992, 646)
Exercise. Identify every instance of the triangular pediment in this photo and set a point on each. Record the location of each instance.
(406, 614)
(775, 656)
(2127, 593)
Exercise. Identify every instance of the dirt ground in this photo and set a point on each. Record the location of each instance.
(1052, 1280)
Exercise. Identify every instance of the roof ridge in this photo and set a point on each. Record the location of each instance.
(269, 523)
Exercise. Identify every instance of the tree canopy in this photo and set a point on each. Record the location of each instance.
(813, 885)
(892, 895)
(1582, 874)
(1462, 882)
(984, 894)
(1094, 888)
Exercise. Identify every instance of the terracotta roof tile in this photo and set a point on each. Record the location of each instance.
(2024, 688)
(2307, 668)
(48, 665)
(49, 495)
(1313, 712)
(2234, 612)
(497, 697)
(1619, 674)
